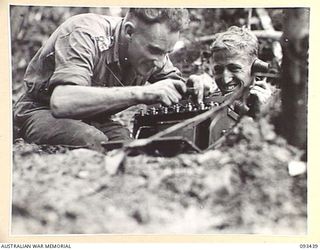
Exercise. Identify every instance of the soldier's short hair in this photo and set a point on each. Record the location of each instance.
(236, 39)
(175, 18)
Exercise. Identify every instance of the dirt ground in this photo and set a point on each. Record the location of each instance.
(242, 187)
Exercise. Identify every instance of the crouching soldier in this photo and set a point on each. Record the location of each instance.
(94, 66)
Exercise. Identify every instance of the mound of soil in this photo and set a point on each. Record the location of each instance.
(242, 187)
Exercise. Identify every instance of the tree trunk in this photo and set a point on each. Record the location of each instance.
(294, 78)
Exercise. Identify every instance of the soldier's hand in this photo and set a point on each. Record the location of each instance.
(167, 92)
(202, 85)
(262, 90)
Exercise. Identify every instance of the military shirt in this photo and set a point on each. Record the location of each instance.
(84, 51)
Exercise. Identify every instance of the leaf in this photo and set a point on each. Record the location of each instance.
(114, 161)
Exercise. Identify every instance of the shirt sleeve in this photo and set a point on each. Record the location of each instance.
(168, 71)
(74, 59)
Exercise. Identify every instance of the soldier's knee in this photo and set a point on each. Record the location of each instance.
(92, 138)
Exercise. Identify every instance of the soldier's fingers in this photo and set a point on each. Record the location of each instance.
(166, 97)
(173, 95)
(261, 89)
(262, 84)
(262, 97)
(180, 86)
(176, 97)
(172, 90)
(200, 88)
(209, 89)
(166, 101)
(257, 91)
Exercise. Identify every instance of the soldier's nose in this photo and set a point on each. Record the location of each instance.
(159, 62)
(227, 80)
(227, 77)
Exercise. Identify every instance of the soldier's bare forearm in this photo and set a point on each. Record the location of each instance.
(80, 102)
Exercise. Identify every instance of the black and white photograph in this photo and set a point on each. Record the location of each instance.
(161, 121)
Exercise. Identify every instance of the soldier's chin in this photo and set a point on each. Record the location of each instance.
(143, 71)
(140, 71)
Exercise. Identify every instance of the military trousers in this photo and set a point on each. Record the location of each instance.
(41, 127)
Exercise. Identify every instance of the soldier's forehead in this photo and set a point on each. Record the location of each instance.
(158, 34)
(224, 55)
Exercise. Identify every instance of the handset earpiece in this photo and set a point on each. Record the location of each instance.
(259, 66)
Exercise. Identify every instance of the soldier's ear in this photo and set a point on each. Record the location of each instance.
(129, 29)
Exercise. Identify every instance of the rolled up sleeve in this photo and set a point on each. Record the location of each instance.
(74, 59)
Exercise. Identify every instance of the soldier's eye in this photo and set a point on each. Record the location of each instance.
(234, 68)
(155, 50)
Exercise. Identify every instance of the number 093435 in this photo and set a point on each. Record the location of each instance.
(308, 245)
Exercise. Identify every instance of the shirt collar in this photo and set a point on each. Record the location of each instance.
(113, 56)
